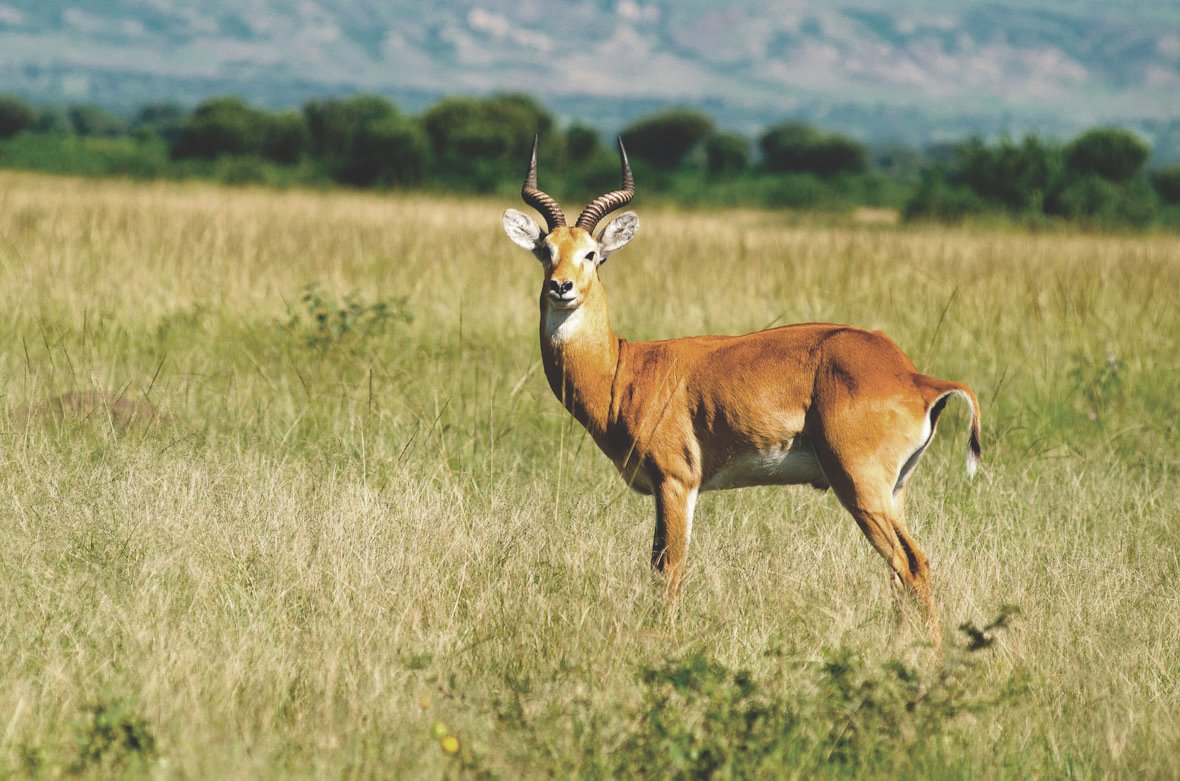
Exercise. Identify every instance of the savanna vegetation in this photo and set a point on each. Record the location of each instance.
(284, 493)
(1103, 179)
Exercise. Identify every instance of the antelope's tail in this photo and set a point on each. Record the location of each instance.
(941, 391)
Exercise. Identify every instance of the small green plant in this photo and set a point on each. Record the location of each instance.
(322, 322)
(699, 719)
(1099, 382)
(114, 739)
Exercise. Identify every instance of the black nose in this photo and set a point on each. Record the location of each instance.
(560, 287)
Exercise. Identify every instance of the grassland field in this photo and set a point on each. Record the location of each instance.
(284, 493)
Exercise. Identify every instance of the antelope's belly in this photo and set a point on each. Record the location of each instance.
(789, 464)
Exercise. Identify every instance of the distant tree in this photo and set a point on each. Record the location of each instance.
(516, 110)
(938, 200)
(1016, 175)
(727, 153)
(1102, 201)
(582, 142)
(1111, 153)
(1167, 183)
(222, 126)
(799, 147)
(285, 137)
(333, 124)
(900, 162)
(663, 140)
(91, 120)
(15, 116)
(365, 140)
(164, 120)
(391, 151)
(53, 120)
(459, 129)
(483, 141)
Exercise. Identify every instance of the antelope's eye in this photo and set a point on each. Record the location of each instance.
(590, 256)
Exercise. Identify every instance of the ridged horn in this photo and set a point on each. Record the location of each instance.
(604, 204)
(538, 199)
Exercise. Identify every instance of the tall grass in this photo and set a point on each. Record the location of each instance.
(351, 532)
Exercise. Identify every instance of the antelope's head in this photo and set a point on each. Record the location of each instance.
(571, 255)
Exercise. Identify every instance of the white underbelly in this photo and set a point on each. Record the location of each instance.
(779, 465)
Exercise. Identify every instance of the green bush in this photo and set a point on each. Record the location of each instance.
(15, 116)
(663, 140)
(230, 127)
(323, 323)
(727, 154)
(222, 126)
(795, 147)
(1013, 175)
(91, 120)
(391, 151)
(582, 142)
(478, 143)
(365, 140)
(158, 119)
(113, 740)
(1102, 202)
(1111, 153)
(842, 715)
(285, 138)
(937, 200)
(333, 124)
(1166, 182)
(53, 120)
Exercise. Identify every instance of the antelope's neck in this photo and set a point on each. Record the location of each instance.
(580, 351)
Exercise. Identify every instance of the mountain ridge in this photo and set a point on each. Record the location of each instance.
(920, 72)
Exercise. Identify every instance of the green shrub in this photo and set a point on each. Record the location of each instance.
(336, 126)
(53, 120)
(391, 151)
(324, 323)
(1102, 202)
(845, 715)
(1166, 182)
(663, 140)
(936, 199)
(92, 120)
(582, 142)
(1013, 175)
(285, 138)
(797, 147)
(163, 120)
(113, 740)
(1111, 153)
(221, 126)
(15, 116)
(479, 143)
(727, 154)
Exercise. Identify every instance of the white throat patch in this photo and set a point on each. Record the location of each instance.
(561, 325)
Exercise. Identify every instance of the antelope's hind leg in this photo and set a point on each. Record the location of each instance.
(865, 487)
(877, 515)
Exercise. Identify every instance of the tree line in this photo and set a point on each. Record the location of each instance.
(479, 144)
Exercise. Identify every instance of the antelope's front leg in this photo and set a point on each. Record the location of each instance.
(675, 504)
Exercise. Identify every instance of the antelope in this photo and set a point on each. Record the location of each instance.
(833, 406)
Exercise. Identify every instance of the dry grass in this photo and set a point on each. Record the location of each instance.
(343, 527)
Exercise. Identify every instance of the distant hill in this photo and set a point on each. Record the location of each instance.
(915, 71)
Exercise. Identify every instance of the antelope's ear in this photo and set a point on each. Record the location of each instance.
(618, 232)
(523, 231)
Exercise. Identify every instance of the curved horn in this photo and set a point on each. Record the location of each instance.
(539, 200)
(604, 204)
